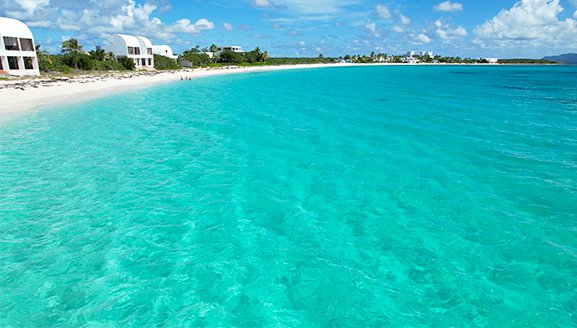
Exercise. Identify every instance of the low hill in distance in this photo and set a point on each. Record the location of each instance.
(563, 59)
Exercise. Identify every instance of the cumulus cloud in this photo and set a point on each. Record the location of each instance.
(262, 3)
(422, 39)
(530, 24)
(383, 12)
(184, 26)
(404, 19)
(398, 29)
(96, 20)
(227, 26)
(447, 33)
(448, 6)
(31, 5)
(372, 27)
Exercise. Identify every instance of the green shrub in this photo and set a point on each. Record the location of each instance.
(196, 58)
(164, 63)
(56, 63)
(109, 65)
(85, 63)
(127, 63)
(229, 57)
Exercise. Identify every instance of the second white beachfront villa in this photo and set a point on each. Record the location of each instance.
(164, 50)
(137, 48)
(17, 50)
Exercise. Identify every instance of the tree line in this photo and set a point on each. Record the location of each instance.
(210, 56)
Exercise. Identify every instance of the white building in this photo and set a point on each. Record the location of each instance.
(237, 49)
(137, 48)
(17, 50)
(411, 54)
(492, 60)
(164, 50)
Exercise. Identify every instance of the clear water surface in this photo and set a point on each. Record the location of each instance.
(338, 197)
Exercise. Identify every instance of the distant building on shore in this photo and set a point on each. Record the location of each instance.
(137, 48)
(17, 50)
(237, 49)
(411, 54)
(164, 50)
(492, 60)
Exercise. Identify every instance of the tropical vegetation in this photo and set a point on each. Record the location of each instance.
(165, 63)
(72, 57)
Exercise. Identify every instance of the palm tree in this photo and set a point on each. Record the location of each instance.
(43, 57)
(110, 56)
(73, 48)
(264, 56)
(98, 54)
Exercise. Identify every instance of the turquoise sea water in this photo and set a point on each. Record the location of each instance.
(337, 197)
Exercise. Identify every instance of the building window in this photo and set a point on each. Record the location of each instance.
(26, 44)
(143, 61)
(136, 51)
(149, 51)
(1, 65)
(13, 63)
(149, 62)
(29, 62)
(131, 50)
(11, 43)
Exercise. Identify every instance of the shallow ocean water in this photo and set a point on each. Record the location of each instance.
(336, 197)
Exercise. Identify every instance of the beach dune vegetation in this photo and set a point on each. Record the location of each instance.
(127, 63)
(230, 57)
(165, 63)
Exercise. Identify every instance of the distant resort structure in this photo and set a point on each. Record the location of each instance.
(237, 49)
(17, 49)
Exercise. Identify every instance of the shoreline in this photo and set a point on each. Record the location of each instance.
(25, 94)
(21, 95)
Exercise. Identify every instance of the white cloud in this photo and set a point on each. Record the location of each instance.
(31, 5)
(398, 29)
(96, 20)
(404, 19)
(184, 26)
(529, 24)
(307, 6)
(448, 6)
(422, 39)
(575, 14)
(227, 26)
(372, 27)
(262, 3)
(383, 12)
(447, 33)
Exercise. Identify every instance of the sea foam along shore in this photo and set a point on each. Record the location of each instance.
(21, 95)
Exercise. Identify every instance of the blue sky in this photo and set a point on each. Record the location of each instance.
(473, 28)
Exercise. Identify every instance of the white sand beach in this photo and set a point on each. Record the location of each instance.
(29, 93)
